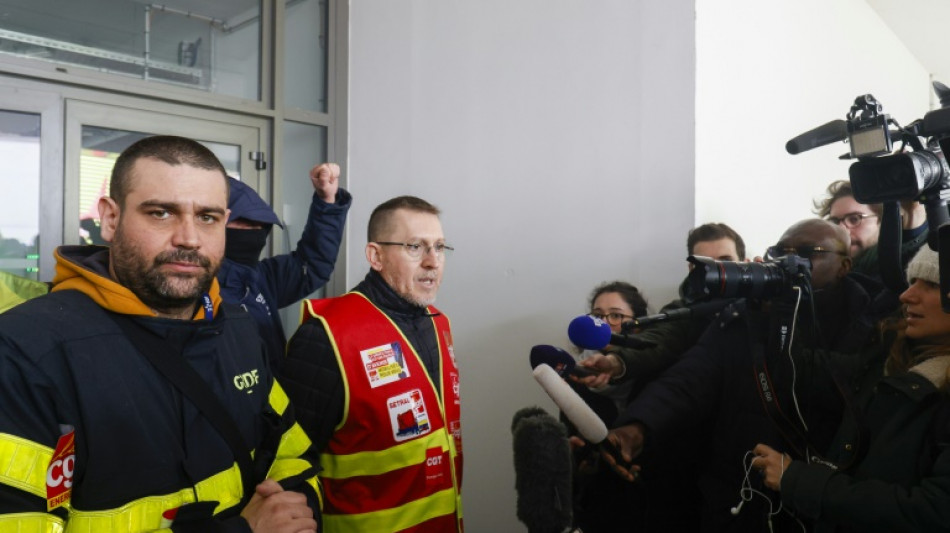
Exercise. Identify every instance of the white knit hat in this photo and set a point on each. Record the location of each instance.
(924, 266)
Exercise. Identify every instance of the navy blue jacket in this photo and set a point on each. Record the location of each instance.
(276, 282)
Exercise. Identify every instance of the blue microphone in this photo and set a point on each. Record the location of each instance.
(592, 333)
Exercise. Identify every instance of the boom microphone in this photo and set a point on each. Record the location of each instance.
(562, 362)
(592, 333)
(588, 424)
(834, 131)
(543, 466)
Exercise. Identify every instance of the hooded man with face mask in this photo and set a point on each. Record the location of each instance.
(265, 286)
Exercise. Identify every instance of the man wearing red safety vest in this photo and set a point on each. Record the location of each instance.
(373, 377)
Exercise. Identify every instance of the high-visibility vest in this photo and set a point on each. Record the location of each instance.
(394, 462)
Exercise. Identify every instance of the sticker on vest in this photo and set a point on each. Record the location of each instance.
(384, 364)
(59, 474)
(435, 467)
(408, 415)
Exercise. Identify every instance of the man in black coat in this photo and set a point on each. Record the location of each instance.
(748, 388)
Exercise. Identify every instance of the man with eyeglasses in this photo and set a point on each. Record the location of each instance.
(863, 222)
(717, 386)
(372, 374)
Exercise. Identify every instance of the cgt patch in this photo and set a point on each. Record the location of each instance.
(59, 474)
(408, 415)
(384, 364)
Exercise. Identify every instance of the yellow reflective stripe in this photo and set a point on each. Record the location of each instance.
(23, 464)
(373, 463)
(278, 398)
(224, 487)
(396, 519)
(145, 514)
(31, 523)
(293, 443)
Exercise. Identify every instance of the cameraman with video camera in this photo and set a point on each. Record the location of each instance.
(768, 370)
(863, 222)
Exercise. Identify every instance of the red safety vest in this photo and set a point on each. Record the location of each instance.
(394, 462)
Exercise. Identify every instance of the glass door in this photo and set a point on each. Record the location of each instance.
(31, 151)
(97, 133)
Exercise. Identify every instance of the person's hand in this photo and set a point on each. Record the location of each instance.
(274, 510)
(629, 440)
(326, 181)
(771, 464)
(607, 367)
(588, 465)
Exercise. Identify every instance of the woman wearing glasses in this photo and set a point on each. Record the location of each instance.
(664, 500)
(893, 457)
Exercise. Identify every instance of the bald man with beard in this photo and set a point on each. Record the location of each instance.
(740, 388)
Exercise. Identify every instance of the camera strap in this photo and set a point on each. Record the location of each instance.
(778, 324)
(170, 362)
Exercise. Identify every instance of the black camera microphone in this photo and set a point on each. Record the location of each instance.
(834, 131)
(562, 362)
(543, 466)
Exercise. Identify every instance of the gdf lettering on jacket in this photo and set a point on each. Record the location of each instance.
(246, 381)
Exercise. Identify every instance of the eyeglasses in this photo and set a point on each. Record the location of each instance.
(806, 252)
(614, 319)
(851, 220)
(417, 250)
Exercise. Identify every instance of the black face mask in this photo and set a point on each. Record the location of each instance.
(245, 245)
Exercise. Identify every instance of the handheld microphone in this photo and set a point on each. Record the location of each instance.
(562, 362)
(588, 424)
(834, 131)
(543, 467)
(592, 333)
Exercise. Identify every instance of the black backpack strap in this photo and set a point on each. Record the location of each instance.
(169, 361)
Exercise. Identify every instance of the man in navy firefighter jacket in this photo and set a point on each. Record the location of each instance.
(373, 376)
(131, 397)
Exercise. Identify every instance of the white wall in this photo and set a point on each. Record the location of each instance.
(557, 137)
(767, 71)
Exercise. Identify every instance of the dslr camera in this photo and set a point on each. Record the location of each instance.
(775, 278)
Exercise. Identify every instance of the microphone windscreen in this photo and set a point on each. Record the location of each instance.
(834, 131)
(544, 354)
(589, 332)
(543, 466)
(588, 424)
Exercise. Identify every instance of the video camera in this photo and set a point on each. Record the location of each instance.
(916, 172)
(776, 278)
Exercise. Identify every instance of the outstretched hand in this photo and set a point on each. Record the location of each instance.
(607, 367)
(629, 441)
(326, 181)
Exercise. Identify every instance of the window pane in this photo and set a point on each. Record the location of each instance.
(20, 201)
(206, 45)
(305, 53)
(304, 147)
(100, 148)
